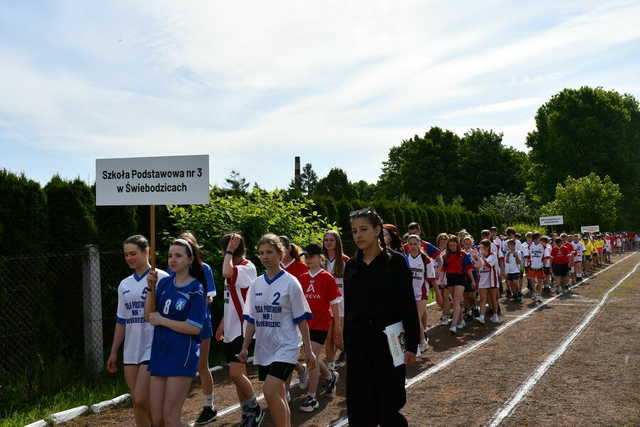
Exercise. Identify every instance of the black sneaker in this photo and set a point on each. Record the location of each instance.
(476, 312)
(309, 404)
(253, 418)
(207, 415)
(330, 386)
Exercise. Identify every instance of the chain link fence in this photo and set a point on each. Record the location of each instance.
(57, 313)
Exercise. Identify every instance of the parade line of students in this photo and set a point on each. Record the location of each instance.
(321, 301)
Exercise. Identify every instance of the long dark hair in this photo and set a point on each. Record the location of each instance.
(338, 266)
(396, 243)
(195, 270)
(374, 219)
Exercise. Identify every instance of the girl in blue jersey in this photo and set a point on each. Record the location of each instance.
(178, 323)
(208, 413)
(132, 328)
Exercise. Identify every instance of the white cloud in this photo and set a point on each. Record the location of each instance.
(294, 77)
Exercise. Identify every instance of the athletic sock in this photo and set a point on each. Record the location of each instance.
(249, 405)
(312, 395)
(331, 365)
(208, 400)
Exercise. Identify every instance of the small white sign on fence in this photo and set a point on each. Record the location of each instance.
(171, 180)
(552, 220)
(590, 229)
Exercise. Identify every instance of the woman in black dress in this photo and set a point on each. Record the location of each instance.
(378, 292)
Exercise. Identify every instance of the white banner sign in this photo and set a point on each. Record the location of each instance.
(172, 180)
(590, 229)
(551, 220)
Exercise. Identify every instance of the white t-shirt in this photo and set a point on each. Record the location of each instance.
(418, 271)
(488, 272)
(510, 264)
(579, 248)
(536, 255)
(546, 260)
(243, 275)
(138, 334)
(276, 307)
(499, 247)
(331, 264)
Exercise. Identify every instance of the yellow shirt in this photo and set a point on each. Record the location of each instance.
(588, 248)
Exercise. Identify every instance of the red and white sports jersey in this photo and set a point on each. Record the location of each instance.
(321, 292)
(488, 272)
(295, 268)
(243, 275)
(418, 269)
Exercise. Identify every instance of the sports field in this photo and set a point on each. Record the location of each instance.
(572, 360)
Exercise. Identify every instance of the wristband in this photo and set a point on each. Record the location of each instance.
(228, 252)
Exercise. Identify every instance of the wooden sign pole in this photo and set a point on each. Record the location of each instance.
(152, 252)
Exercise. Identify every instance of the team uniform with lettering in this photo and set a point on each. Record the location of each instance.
(138, 334)
(536, 257)
(321, 292)
(174, 354)
(418, 268)
(235, 290)
(276, 306)
(511, 266)
(488, 273)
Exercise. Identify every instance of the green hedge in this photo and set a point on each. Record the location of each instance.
(434, 219)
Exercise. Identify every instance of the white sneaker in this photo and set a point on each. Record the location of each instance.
(495, 318)
(452, 329)
(444, 321)
(288, 396)
(461, 324)
(480, 319)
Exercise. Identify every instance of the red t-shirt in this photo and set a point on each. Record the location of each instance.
(296, 268)
(457, 263)
(321, 290)
(560, 255)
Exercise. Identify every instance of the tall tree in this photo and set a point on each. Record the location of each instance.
(335, 184)
(589, 200)
(487, 167)
(236, 182)
(308, 179)
(587, 129)
(364, 191)
(421, 167)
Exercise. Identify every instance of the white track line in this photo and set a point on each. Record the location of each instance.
(445, 363)
(533, 379)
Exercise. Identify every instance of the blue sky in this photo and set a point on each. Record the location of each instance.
(254, 84)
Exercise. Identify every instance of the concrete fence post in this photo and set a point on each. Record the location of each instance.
(92, 301)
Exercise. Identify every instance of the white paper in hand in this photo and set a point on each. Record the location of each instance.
(397, 345)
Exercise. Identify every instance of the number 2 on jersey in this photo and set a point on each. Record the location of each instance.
(276, 297)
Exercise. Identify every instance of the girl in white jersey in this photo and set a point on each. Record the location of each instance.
(132, 328)
(486, 263)
(275, 310)
(335, 262)
(418, 262)
(239, 274)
